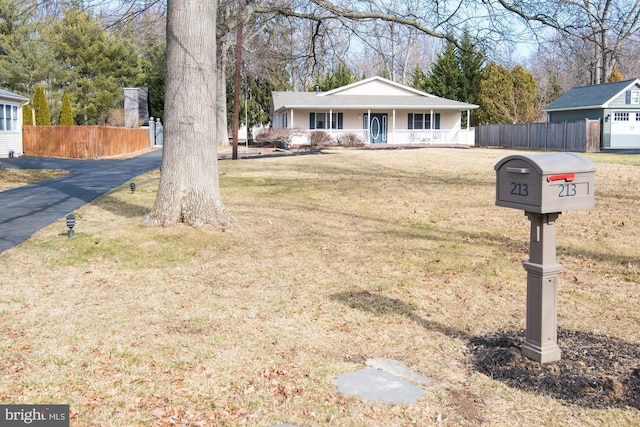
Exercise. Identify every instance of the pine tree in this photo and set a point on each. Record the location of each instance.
(100, 63)
(66, 114)
(43, 118)
(471, 64)
(418, 78)
(456, 74)
(445, 77)
(553, 90)
(342, 76)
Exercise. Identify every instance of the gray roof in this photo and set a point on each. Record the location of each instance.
(5, 94)
(310, 100)
(589, 97)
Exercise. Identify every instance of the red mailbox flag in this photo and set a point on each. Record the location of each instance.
(567, 177)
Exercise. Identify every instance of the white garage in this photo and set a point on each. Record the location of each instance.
(616, 105)
(625, 129)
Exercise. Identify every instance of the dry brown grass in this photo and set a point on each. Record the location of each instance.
(334, 258)
(13, 178)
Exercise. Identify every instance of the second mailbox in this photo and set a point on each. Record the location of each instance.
(545, 183)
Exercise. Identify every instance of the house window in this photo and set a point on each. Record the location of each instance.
(634, 97)
(8, 117)
(423, 121)
(620, 116)
(319, 120)
(14, 117)
(285, 120)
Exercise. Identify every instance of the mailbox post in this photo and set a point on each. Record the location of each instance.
(544, 185)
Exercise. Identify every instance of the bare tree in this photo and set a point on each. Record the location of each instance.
(391, 48)
(603, 26)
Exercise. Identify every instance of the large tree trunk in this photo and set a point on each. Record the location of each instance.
(189, 189)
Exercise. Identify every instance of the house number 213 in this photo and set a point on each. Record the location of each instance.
(567, 190)
(519, 189)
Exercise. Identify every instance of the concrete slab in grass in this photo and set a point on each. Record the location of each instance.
(379, 386)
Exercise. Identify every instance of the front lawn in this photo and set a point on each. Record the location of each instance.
(334, 258)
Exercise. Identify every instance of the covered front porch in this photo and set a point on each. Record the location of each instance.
(404, 136)
(397, 127)
(374, 111)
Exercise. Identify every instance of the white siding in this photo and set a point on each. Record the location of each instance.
(11, 140)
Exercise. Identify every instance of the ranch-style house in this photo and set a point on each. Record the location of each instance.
(378, 111)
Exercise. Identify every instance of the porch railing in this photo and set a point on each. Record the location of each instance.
(402, 136)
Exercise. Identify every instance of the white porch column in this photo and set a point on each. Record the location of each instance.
(330, 127)
(369, 126)
(291, 121)
(433, 124)
(393, 131)
(468, 126)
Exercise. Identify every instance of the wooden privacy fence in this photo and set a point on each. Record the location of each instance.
(580, 136)
(82, 142)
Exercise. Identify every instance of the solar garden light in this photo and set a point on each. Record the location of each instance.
(132, 186)
(71, 222)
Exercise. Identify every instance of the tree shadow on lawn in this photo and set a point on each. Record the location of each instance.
(595, 371)
(120, 208)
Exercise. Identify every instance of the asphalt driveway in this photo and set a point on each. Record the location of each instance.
(25, 210)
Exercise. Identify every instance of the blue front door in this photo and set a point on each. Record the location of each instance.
(377, 126)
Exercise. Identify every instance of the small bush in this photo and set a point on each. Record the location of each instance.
(321, 139)
(350, 140)
(280, 138)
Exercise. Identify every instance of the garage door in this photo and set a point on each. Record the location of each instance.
(625, 129)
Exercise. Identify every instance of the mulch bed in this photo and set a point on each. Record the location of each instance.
(595, 371)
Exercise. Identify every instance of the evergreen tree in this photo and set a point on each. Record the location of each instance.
(524, 95)
(255, 103)
(43, 118)
(342, 76)
(25, 56)
(506, 96)
(471, 65)
(495, 95)
(154, 80)
(456, 73)
(27, 115)
(418, 78)
(445, 77)
(66, 114)
(553, 90)
(98, 64)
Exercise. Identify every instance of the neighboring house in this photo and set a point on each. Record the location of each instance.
(616, 105)
(11, 123)
(378, 111)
